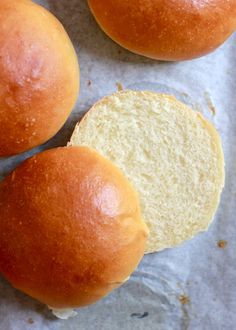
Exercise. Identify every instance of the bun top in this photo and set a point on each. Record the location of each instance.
(167, 29)
(70, 227)
(39, 76)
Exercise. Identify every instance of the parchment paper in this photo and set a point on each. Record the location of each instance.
(192, 286)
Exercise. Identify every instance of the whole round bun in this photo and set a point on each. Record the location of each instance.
(170, 153)
(39, 76)
(70, 227)
(167, 29)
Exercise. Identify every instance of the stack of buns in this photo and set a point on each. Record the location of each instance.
(74, 221)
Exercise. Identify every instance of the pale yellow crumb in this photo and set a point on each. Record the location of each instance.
(171, 154)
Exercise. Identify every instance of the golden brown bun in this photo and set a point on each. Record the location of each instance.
(39, 76)
(70, 227)
(167, 29)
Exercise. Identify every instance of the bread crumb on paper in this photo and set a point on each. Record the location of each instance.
(210, 103)
(140, 315)
(184, 94)
(222, 244)
(185, 304)
(184, 300)
(30, 321)
(119, 86)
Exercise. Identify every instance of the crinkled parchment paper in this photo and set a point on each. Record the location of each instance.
(194, 285)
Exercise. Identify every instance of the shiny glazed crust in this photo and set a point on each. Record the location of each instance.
(167, 29)
(70, 227)
(39, 76)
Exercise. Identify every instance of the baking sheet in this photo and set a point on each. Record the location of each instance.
(194, 285)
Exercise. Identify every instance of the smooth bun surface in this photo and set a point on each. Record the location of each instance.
(167, 29)
(70, 227)
(39, 76)
(171, 154)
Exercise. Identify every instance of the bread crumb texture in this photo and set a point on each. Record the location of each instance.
(170, 153)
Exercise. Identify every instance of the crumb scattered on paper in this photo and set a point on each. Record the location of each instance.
(140, 315)
(184, 300)
(222, 244)
(30, 321)
(119, 87)
(210, 103)
(185, 94)
(184, 303)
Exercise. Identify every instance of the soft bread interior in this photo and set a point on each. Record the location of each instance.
(171, 154)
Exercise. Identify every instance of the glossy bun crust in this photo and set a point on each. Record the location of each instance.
(167, 29)
(39, 76)
(70, 227)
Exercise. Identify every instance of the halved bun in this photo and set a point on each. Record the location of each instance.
(39, 76)
(168, 30)
(70, 227)
(171, 154)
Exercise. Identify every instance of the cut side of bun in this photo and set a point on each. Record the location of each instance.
(171, 154)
